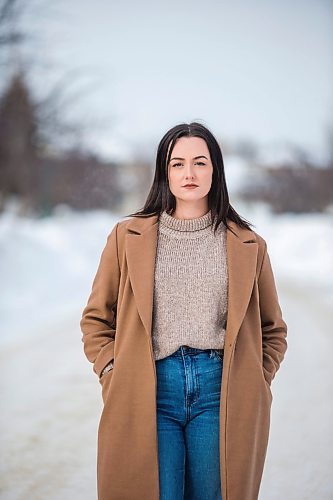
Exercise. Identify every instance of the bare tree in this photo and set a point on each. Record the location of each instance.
(10, 34)
(18, 138)
(36, 137)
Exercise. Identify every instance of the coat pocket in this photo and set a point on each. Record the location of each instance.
(267, 384)
(105, 381)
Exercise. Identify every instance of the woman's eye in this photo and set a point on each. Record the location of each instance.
(197, 163)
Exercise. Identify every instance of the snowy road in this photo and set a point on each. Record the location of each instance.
(51, 406)
(299, 461)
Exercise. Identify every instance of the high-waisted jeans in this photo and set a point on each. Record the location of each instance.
(188, 409)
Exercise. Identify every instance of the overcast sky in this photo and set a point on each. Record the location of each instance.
(258, 69)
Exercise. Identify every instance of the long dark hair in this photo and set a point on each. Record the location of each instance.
(161, 198)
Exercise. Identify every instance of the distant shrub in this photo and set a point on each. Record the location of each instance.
(292, 189)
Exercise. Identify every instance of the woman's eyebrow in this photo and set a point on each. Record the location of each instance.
(195, 158)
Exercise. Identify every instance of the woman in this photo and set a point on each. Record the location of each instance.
(185, 332)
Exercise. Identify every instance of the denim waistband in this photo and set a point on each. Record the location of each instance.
(185, 349)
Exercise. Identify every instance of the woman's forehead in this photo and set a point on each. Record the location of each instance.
(189, 145)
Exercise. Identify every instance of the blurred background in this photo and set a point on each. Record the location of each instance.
(87, 90)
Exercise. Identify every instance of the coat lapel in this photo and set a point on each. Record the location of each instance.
(140, 249)
(242, 251)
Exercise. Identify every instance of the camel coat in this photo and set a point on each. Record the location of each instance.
(116, 324)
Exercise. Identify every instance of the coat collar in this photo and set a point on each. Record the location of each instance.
(242, 250)
(142, 224)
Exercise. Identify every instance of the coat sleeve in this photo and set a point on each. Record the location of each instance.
(98, 322)
(274, 328)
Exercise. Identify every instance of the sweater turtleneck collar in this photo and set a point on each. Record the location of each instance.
(186, 224)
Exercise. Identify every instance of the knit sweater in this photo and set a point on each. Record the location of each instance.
(190, 285)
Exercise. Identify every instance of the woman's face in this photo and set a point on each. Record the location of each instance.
(190, 163)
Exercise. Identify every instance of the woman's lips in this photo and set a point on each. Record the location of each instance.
(190, 187)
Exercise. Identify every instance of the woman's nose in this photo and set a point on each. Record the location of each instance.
(188, 172)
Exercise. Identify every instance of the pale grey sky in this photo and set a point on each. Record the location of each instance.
(259, 69)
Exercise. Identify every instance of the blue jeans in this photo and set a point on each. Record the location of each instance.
(188, 417)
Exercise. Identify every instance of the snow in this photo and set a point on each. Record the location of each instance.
(51, 398)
